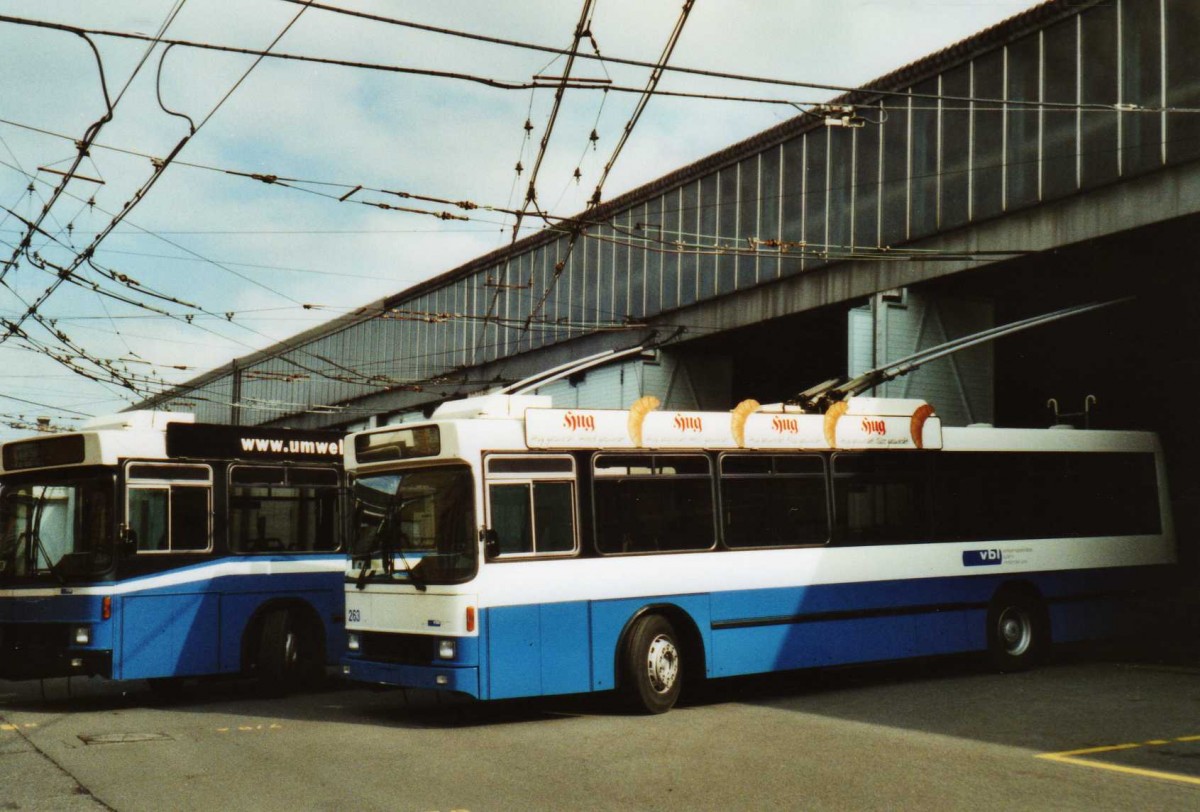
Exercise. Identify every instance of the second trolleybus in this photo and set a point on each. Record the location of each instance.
(148, 546)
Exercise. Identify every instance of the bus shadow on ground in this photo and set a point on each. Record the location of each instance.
(1084, 695)
(956, 695)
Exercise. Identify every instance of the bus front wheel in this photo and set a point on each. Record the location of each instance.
(653, 665)
(1017, 631)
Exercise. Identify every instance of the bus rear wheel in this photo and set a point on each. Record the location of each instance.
(653, 665)
(1017, 631)
(288, 654)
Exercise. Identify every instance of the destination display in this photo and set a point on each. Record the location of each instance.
(44, 452)
(212, 441)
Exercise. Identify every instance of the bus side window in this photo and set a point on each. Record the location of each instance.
(881, 497)
(512, 517)
(773, 501)
(653, 503)
(169, 507)
(282, 510)
(148, 511)
(173, 518)
(531, 506)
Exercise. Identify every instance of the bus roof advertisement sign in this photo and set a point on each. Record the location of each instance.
(573, 428)
(886, 431)
(765, 430)
(687, 430)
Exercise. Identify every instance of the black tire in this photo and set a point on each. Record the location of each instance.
(289, 655)
(1017, 631)
(653, 665)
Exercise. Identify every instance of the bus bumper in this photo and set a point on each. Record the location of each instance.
(459, 679)
(40, 651)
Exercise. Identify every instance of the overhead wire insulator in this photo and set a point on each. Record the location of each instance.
(578, 176)
(520, 168)
(594, 138)
(528, 126)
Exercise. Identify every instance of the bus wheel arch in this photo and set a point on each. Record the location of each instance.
(659, 654)
(283, 646)
(1018, 627)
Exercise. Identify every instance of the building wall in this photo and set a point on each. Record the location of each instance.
(900, 323)
(794, 199)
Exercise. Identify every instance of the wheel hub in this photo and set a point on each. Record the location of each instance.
(1016, 631)
(662, 664)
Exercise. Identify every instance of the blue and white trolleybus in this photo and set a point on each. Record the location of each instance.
(147, 546)
(506, 548)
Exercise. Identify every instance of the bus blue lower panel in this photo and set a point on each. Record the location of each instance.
(572, 647)
(169, 635)
(538, 650)
(194, 624)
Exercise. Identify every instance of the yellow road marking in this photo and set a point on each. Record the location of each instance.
(251, 728)
(1074, 757)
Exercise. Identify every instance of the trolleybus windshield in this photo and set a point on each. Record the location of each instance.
(421, 519)
(56, 525)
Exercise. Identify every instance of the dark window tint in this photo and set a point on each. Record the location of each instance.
(648, 503)
(881, 498)
(773, 501)
(169, 519)
(530, 465)
(244, 474)
(282, 519)
(537, 517)
(512, 519)
(189, 518)
(188, 472)
(1046, 495)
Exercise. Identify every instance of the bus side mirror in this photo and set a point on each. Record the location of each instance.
(491, 543)
(127, 538)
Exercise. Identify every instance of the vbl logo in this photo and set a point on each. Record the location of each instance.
(982, 558)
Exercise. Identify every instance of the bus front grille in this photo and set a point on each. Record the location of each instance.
(407, 649)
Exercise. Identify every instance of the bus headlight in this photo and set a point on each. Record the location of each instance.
(447, 649)
(83, 635)
(353, 641)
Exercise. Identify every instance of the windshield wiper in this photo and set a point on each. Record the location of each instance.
(385, 545)
(387, 550)
(36, 535)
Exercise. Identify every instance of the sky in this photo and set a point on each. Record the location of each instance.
(231, 264)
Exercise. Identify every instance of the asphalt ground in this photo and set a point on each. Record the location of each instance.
(1098, 728)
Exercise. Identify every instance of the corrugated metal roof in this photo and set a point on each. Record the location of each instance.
(1010, 30)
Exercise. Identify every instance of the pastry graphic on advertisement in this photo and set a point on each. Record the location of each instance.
(637, 414)
(738, 423)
